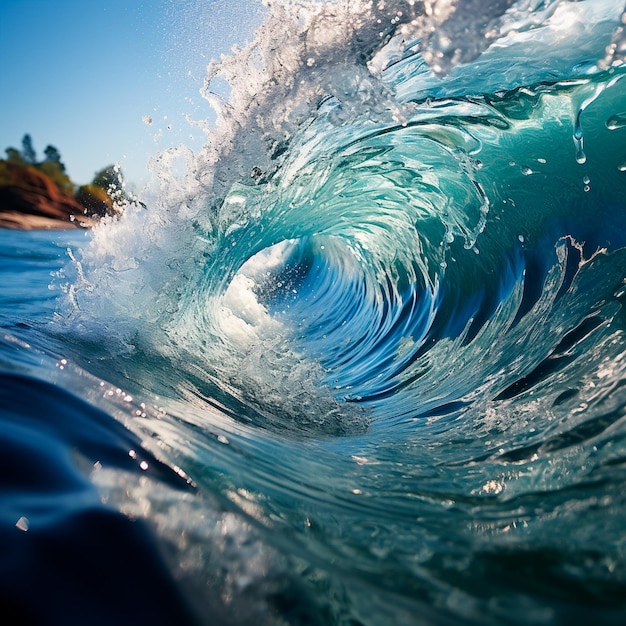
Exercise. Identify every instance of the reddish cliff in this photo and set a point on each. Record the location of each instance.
(30, 199)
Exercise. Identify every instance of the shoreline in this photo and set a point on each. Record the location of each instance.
(16, 220)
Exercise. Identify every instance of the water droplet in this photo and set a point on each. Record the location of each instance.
(622, 166)
(586, 188)
(310, 61)
(520, 238)
(586, 180)
(543, 161)
(527, 171)
(23, 523)
(616, 121)
(146, 119)
(581, 157)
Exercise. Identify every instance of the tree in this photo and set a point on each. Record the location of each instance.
(105, 194)
(14, 156)
(96, 200)
(53, 156)
(28, 152)
(110, 179)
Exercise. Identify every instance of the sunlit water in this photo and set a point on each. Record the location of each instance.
(363, 363)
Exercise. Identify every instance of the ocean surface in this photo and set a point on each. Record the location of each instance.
(359, 361)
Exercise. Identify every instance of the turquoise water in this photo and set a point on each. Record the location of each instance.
(363, 362)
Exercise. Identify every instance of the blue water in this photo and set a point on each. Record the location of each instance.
(363, 363)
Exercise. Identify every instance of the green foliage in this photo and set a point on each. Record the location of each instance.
(53, 156)
(96, 200)
(56, 171)
(28, 152)
(15, 174)
(111, 180)
(15, 156)
(6, 176)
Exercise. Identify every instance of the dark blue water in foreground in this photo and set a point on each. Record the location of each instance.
(380, 380)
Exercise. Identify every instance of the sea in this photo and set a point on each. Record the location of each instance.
(360, 360)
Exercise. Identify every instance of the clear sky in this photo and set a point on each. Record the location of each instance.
(82, 74)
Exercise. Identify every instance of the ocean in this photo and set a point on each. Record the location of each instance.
(360, 360)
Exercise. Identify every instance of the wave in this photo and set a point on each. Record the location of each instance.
(381, 313)
(371, 208)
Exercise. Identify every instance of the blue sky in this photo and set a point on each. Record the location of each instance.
(81, 75)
